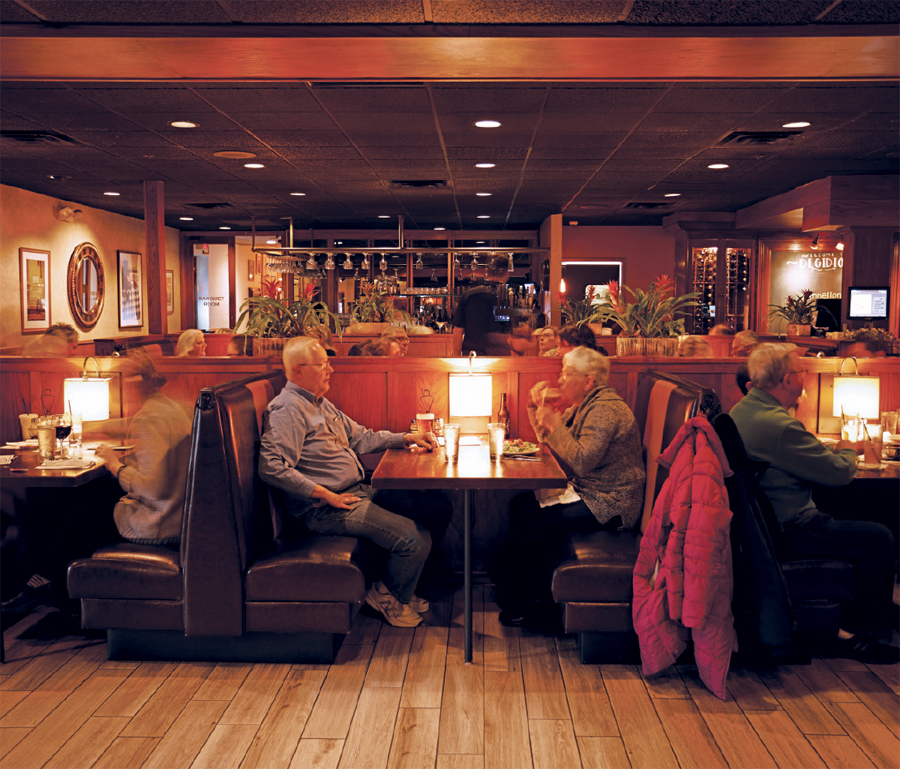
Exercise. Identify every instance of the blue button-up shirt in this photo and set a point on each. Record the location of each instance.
(308, 441)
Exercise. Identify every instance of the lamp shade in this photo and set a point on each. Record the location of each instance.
(857, 395)
(88, 396)
(470, 401)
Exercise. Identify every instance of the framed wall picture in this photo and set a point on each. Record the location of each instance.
(34, 279)
(131, 313)
(170, 292)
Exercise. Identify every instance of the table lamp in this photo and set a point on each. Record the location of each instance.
(856, 394)
(471, 400)
(88, 396)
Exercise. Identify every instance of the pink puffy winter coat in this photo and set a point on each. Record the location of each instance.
(683, 578)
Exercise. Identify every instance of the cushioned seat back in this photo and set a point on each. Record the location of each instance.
(664, 403)
(227, 517)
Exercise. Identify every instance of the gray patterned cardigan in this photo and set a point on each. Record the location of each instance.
(600, 442)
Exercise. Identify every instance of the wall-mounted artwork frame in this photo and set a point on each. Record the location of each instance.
(131, 310)
(170, 292)
(34, 282)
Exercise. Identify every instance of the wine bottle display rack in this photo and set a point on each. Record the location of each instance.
(723, 287)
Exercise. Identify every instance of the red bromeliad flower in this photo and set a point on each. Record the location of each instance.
(309, 291)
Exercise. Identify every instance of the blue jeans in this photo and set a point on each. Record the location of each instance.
(407, 541)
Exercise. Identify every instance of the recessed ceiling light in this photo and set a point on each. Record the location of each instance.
(488, 124)
(234, 155)
(383, 216)
(485, 165)
(224, 228)
(57, 177)
(479, 242)
(798, 124)
(483, 216)
(185, 218)
(271, 242)
(439, 229)
(183, 124)
(112, 194)
(483, 194)
(672, 195)
(718, 165)
(298, 194)
(253, 165)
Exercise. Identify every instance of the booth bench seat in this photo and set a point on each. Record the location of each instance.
(592, 580)
(237, 589)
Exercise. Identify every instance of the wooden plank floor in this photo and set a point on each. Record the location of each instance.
(405, 699)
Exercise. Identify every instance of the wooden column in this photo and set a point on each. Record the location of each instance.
(868, 255)
(155, 256)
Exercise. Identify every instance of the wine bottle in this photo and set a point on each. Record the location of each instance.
(503, 415)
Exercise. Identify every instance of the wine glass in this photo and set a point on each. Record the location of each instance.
(63, 428)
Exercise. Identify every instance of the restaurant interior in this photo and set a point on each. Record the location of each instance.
(162, 163)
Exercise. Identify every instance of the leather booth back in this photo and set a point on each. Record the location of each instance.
(664, 403)
(228, 520)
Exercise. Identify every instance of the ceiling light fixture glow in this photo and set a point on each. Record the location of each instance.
(185, 218)
(184, 124)
(798, 124)
(487, 124)
(112, 194)
(253, 165)
(672, 195)
(224, 228)
(718, 166)
(485, 165)
(298, 194)
(483, 194)
(439, 229)
(383, 216)
(483, 216)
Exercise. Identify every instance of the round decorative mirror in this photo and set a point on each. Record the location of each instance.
(85, 285)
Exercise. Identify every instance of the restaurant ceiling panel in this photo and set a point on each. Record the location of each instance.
(563, 147)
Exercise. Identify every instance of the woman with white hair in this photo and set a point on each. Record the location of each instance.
(191, 344)
(597, 437)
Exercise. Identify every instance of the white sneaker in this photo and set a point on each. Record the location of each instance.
(397, 614)
(419, 605)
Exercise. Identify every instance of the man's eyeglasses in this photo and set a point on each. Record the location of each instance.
(321, 366)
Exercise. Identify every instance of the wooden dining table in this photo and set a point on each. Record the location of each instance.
(420, 469)
(23, 472)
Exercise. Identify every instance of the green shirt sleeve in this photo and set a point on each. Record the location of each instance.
(807, 458)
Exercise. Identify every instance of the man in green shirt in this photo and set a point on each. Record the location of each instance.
(797, 460)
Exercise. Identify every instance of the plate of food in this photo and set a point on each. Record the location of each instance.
(520, 448)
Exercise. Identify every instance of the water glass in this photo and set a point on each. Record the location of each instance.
(451, 441)
(850, 427)
(889, 422)
(75, 436)
(46, 435)
(496, 437)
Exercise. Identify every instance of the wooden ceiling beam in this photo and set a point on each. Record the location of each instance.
(533, 59)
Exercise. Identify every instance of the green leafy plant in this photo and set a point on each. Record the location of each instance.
(265, 316)
(580, 311)
(651, 314)
(374, 306)
(800, 309)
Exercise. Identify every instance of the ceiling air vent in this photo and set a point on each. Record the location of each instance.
(419, 184)
(36, 137)
(758, 138)
(645, 206)
(209, 206)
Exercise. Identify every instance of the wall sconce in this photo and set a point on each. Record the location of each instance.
(815, 243)
(471, 400)
(856, 394)
(88, 396)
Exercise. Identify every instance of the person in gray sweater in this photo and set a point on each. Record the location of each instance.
(597, 441)
(154, 474)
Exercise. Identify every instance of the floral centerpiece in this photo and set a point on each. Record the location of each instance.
(649, 323)
(799, 312)
(272, 321)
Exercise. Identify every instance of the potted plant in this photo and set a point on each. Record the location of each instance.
(799, 312)
(272, 322)
(373, 311)
(649, 326)
(580, 311)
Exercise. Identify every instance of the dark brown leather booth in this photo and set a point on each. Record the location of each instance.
(237, 589)
(592, 581)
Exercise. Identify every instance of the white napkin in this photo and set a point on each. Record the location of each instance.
(547, 497)
(6, 459)
(64, 464)
(29, 444)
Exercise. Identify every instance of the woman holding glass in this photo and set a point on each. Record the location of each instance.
(596, 439)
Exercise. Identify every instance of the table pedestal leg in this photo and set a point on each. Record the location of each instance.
(467, 571)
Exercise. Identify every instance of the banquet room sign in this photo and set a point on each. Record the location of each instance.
(794, 271)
